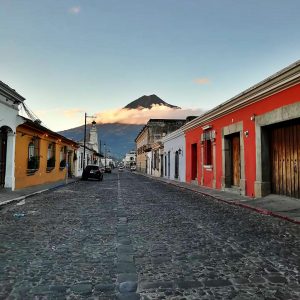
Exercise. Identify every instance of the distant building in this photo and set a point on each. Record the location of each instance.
(174, 155)
(92, 142)
(149, 140)
(130, 159)
(91, 157)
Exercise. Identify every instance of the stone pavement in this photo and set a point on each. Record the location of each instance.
(277, 205)
(130, 237)
(8, 196)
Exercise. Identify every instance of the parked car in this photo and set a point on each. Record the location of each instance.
(133, 168)
(121, 168)
(92, 171)
(107, 169)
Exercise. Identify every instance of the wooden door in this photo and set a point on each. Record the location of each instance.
(3, 141)
(176, 175)
(236, 160)
(285, 159)
(194, 161)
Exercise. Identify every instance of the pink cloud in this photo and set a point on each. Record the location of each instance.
(202, 81)
(141, 116)
(75, 10)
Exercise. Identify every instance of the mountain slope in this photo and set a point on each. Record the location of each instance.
(147, 102)
(119, 138)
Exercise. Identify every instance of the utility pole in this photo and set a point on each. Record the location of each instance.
(104, 155)
(84, 140)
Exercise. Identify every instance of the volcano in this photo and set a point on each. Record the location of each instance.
(148, 102)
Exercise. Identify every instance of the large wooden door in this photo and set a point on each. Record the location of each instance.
(3, 141)
(236, 160)
(285, 159)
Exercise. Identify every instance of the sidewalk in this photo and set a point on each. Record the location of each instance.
(274, 205)
(7, 196)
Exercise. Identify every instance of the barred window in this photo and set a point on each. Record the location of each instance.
(207, 138)
(51, 155)
(33, 154)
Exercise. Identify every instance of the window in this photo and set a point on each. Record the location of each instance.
(207, 139)
(33, 154)
(51, 156)
(62, 157)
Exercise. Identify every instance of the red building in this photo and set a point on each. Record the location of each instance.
(250, 143)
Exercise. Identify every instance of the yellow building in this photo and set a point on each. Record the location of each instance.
(42, 156)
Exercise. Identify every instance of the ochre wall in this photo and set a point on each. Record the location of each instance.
(22, 179)
(285, 97)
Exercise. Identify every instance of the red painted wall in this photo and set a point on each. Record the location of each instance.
(285, 97)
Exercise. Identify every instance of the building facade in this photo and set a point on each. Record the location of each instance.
(41, 155)
(149, 140)
(250, 144)
(174, 155)
(129, 159)
(9, 120)
(91, 157)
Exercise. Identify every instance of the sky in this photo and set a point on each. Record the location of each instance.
(67, 57)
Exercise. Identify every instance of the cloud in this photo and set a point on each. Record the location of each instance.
(72, 113)
(202, 81)
(75, 10)
(60, 119)
(141, 116)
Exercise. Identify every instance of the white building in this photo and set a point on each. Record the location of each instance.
(9, 120)
(174, 155)
(91, 157)
(108, 162)
(130, 159)
(92, 142)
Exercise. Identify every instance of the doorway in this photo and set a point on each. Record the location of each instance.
(235, 160)
(194, 170)
(285, 158)
(3, 148)
(176, 175)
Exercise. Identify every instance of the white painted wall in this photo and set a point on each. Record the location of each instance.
(79, 161)
(173, 145)
(9, 117)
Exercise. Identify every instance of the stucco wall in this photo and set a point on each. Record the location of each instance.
(285, 97)
(22, 179)
(173, 146)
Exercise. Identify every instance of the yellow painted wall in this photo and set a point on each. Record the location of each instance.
(22, 179)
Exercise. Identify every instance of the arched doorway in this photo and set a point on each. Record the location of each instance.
(3, 153)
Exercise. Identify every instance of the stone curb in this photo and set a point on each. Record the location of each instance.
(18, 199)
(261, 211)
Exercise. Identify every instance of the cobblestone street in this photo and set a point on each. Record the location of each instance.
(131, 237)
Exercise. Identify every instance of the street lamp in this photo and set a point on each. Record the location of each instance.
(84, 138)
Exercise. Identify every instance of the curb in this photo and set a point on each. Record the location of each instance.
(18, 199)
(261, 211)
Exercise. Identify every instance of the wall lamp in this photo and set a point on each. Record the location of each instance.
(180, 151)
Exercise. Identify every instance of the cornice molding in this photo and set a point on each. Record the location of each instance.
(173, 135)
(10, 93)
(280, 81)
